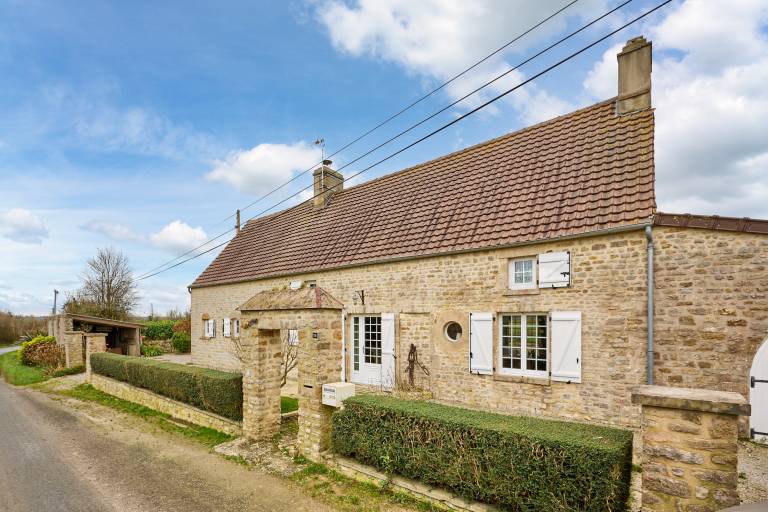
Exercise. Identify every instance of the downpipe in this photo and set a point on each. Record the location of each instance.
(649, 348)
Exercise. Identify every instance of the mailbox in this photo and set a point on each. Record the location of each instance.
(336, 392)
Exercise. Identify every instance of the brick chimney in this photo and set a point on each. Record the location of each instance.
(327, 182)
(634, 76)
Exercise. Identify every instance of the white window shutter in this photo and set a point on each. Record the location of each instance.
(554, 269)
(213, 328)
(566, 346)
(226, 327)
(481, 343)
(388, 351)
(207, 326)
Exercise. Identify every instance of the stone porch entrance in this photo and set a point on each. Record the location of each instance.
(317, 317)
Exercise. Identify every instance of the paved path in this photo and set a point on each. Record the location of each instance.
(54, 458)
(8, 349)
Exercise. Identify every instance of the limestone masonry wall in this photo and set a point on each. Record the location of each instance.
(711, 313)
(711, 307)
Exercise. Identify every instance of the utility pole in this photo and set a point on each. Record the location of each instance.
(55, 296)
(237, 221)
(151, 311)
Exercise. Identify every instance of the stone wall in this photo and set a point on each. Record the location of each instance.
(689, 448)
(711, 307)
(710, 317)
(178, 410)
(608, 286)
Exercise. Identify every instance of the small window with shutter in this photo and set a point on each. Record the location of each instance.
(554, 269)
(522, 273)
(236, 328)
(226, 327)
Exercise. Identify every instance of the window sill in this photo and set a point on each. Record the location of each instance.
(509, 292)
(522, 379)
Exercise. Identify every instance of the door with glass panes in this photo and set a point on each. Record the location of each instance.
(366, 350)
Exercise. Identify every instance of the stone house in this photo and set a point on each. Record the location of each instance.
(530, 274)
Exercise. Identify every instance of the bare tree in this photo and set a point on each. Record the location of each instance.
(289, 349)
(107, 289)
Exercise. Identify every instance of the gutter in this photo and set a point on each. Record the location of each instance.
(649, 348)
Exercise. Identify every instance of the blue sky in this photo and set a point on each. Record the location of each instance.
(141, 125)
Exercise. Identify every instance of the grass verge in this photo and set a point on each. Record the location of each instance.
(288, 404)
(17, 374)
(207, 436)
(347, 494)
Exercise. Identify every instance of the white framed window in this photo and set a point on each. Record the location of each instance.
(522, 273)
(209, 328)
(524, 344)
(235, 327)
(226, 327)
(293, 337)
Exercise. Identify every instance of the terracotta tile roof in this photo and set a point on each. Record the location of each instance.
(584, 171)
(714, 222)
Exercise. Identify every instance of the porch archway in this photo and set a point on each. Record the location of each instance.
(316, 316)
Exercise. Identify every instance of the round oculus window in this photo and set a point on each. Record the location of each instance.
(453, 331)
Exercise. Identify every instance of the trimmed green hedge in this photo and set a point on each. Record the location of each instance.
(212, 390)
(158, 329)
(516, 463)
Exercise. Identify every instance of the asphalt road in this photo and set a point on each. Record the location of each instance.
(55, 458)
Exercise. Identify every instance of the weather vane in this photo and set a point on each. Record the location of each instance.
(321, 142)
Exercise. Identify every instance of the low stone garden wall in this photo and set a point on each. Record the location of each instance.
(175, 409)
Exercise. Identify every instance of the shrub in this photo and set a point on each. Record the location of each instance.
(183, 325)
(68, 371)
(41, 351)
(151, 351)
(158, 329)
(181, 342)
(212, 390)
(516, 463)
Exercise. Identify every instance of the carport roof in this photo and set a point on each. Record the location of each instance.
(103, 321)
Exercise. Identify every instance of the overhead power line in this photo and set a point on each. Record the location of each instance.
(453, 122)
(371, 130)
(409, 106)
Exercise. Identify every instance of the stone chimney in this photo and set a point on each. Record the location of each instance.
(634, 76)
(327, 182)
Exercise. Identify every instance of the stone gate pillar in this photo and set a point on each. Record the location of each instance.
(261, 359)
(94, 342)
(73, 348)
(319, 363)
(689, 439)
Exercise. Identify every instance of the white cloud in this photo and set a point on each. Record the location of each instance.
(22, 226)
(437, 39)
(112, 230)
(264, 167)
(178, 237)
(709, 76)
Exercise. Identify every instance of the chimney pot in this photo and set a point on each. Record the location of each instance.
(635, 63)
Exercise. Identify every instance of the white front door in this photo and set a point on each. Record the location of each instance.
(366, 350)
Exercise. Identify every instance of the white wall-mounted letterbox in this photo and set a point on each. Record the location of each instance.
(336, 392)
